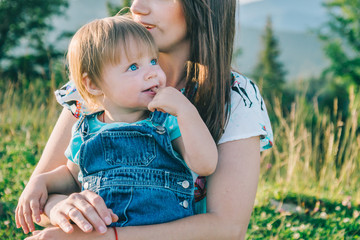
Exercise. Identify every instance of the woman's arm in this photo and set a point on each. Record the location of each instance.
(231, 193)
(53, 154)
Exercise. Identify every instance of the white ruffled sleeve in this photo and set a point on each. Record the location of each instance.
(248, 116)
(69, 97)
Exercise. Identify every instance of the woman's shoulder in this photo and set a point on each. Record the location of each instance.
(248, 113)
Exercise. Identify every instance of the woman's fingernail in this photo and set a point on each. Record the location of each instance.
(87, 227)
(107, 220)
(38, 219)
(102, 229)
(67, 229)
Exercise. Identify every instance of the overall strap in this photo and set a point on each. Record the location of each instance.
(158, 117)
(83, 126)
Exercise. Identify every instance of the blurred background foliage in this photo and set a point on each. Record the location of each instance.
(27, 21)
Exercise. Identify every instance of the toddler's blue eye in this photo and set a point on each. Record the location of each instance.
(154, 62)
(133, 67)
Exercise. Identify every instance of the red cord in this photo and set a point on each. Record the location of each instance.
(116, 237)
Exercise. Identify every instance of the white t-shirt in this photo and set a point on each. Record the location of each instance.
(248, 116)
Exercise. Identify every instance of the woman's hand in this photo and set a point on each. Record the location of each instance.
(55, 233)
(86, 209)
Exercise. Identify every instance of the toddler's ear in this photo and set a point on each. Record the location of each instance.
(90, 86)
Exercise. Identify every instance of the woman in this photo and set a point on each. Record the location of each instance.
(195, 38)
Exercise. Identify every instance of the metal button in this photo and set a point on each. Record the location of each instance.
(160, 129)
(86, 185)
(185, 184)
(185, 204)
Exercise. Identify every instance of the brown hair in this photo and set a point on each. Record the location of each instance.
(100, 42)
(211, 28)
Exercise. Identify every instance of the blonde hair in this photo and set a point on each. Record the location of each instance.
(100, 42)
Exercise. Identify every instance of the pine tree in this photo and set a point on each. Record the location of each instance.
(269, 71)
(341, 36)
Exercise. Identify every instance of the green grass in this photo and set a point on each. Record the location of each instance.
(26, 121)
(289, 215)
(309, 180)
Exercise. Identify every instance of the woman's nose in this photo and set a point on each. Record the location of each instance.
(140, 7)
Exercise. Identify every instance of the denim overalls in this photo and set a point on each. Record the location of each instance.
(137, 173)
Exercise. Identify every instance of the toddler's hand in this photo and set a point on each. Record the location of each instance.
(31, 204)
(170, 100)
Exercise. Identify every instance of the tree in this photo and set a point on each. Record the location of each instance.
(269, 70)
(341, 36)
(21, 19)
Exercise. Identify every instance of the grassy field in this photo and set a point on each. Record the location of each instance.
(309, 186)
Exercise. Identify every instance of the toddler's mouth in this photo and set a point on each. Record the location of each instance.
(152, 90)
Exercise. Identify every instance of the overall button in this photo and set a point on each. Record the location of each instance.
(185, 204)
(160, 129)
(185, 184)
(86, 185)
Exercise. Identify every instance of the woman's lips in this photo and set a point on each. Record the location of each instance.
(148, 26)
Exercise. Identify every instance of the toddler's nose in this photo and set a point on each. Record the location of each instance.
(150, 75)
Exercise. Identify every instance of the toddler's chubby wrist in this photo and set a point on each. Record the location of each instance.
(52, 201)
(40, 179)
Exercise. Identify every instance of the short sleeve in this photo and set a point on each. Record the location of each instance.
(248, 116)
(68, 97)
(72, 151)
(172, 126)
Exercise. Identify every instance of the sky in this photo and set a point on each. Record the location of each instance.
(248, 1)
